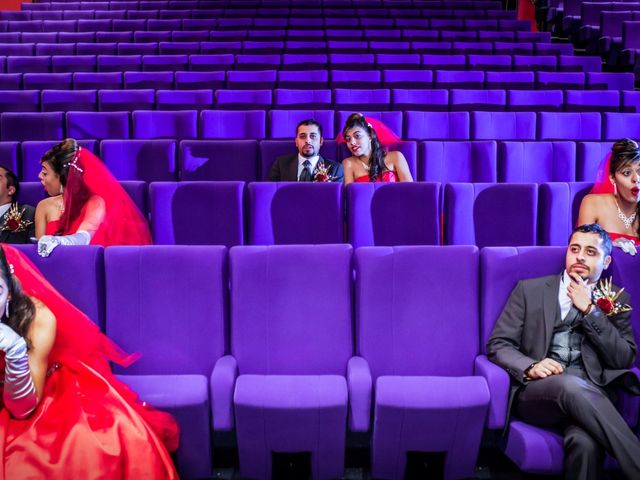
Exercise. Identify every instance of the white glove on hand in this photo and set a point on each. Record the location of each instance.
(47, 243)
(626, 245)
(20, 395)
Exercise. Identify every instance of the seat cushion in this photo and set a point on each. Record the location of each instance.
(535, 450)
(167, 392)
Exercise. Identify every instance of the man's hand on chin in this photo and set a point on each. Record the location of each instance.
(543, 369)
(579, 292)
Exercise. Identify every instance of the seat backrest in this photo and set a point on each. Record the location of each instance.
(458, 161)
(589, 156)
(178, 125)
(233, 124)
(282, 123)
(399, 332)
(536, 162)
(276, 325)
(31, 126)
(569, 126)
(558, 210)
(148, 160)
(279, 213)
(624, 270)
(437, 125)
(381, 214)
(219, 160)
(503, 125)
(178, 209)
(620, 125)
(98, 125)
(169, 304)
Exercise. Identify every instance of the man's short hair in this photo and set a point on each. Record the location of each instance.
(12, 181)
(309, 122)
(607, 246)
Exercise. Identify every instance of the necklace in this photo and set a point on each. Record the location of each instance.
(366, 166)
(628, 221)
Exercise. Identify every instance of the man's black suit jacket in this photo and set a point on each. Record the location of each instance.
(285, 169)
(7, 236)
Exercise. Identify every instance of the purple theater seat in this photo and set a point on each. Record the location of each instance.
(503, 125)
(423, 99)
(398, 61)
(119, 63)
(476, 214)
(146, 48)
(559, 207)
(199, 23)
(78, 274)
(574, 63)
(190, 36)
(457, 161)
(535, 100)
(73, 63)
(302, 99)
(29, 64)
(351, 61)
(163, 24)
(543, 48)
(291, 391)
(25, 26)
(352, 79)
(313, 79)
(219, 160)
(11, 37)
(232, 124)
(444, 64)
(10, 81)
(21, 126)
(178, 125)
(272, 149)
(279, 213)
(96, 25)
(262, 46)
(418, 79)
(393, 120)
(129, 25)
(560, 80)
(55, 49)
(470, 47)
(33, 151)
(20, 101)
(609, 81)
(10, 155)
(426, 395)
(510, 80)
(155, 80)
(257, 62)
(224, 47)
(630, 101)
(592, 101)
(179, 48)
(495, 36)
(174, 366)
(535, 63)
(488, 63)
(96, 81)
(178, 208)
(160, 63)
(184, 99)
(620, 125)
(31, 192)
(360, 99)
(117, 37)
(589, 156)
(96, 48)
(283, 122)
(211, 62)
(199, 80)
(252, 80)
(436, 125)
(537, 162)
(513, 48)
(147, 160)
(569, 126)
(458, 79)
(126, 100)
(469, 100)
(388, 214)
(68, 100)
(243, 99)
(40, 38)
(98, 125)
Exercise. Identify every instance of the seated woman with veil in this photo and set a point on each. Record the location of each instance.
(86, 204)
(614, 201)
(366, 139)
(63, 414)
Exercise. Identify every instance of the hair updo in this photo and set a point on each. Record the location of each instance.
(60, 157)
(624, 152)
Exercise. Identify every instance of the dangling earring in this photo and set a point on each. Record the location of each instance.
(6, 309)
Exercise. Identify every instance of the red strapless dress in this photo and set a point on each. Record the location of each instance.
(614, 236)
(387, 176)
(88, 425)
(52, 227)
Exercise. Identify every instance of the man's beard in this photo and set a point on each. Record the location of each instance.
(311, 153)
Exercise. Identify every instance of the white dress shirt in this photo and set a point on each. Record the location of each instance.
(563, 297)
(4, 209)
(313, 161)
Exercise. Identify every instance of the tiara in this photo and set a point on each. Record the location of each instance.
(74, 163)
(11, 269)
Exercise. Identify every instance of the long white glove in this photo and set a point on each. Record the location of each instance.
(626, 245)
(47, 243)
(20, 395)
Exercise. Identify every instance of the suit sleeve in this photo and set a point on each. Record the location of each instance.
(30, 213)
(274, 173)
(338, 172)
(612, 336)
(503, 347)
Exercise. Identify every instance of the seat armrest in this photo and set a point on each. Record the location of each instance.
(499, 387)
(359, 384)
(222, 385)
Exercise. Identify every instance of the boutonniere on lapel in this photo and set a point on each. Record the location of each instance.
(13, 220)
(322, 173)
(605, 298)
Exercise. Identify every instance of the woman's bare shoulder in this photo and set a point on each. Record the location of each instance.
(49, 202)
(598, 200)
(44, 318)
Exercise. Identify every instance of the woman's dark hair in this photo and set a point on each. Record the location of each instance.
(625, 152)
(376, 160)
(64, 161)
(21, 308)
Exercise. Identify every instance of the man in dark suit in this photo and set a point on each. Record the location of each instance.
(565, 353)
(16, 221)
(307, 165)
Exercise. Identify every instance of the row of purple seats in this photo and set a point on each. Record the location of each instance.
(283, 80)
(208, 160)
(606, 40)
(225, 366)
(574, 12)
(362, 214)
(355, 99)
(270, 53)
(630, 50)
(252, 124)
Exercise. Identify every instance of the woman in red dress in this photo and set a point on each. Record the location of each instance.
(86, 204)
(614, 201)
(63, 413)
(369, 162)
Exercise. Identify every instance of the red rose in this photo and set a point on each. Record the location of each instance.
(321, 177)
(605, 305)
(12, 224)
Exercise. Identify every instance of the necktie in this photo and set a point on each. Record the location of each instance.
(305, 175)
